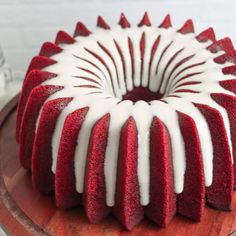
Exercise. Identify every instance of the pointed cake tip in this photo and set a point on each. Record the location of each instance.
(224, 44)
(206, 35)
(145, 20)
(166, 22)
(124, 23)
(227, 57)
(81, 30)
(48, 49)
(63, 37)
(102, 23)
(188, 27)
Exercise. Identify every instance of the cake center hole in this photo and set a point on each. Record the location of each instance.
(141, 93)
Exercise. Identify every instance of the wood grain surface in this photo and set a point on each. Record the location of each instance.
(24, 211)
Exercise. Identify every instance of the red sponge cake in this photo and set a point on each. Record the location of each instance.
(132, 120)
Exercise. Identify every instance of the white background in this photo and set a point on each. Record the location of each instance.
(26, 24)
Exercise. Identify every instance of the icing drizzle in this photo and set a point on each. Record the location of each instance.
(98, 69)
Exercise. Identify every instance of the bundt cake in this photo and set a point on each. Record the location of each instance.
(132, 120)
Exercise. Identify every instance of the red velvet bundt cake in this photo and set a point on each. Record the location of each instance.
(133, 120)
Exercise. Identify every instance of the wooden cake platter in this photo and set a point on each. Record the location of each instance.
(24, 211)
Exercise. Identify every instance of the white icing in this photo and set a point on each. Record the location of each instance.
(169, 117)
(142, 112)
(185, 106)
(119, 114)
(141, 109)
